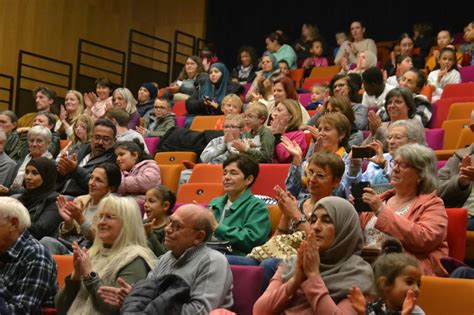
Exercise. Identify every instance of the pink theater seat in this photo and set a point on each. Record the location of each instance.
(435, 138)
(247, 287)
(180, 121)
(304, 98)
(269, 176)
(458, 90)
(179, 108)
(441, 164)
(152, 143)
(467, 74)
(440, 109)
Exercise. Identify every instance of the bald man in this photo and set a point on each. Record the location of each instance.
(205, 270)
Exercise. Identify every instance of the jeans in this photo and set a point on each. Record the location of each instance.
(463, 272)
(270, 265)
(470, 223)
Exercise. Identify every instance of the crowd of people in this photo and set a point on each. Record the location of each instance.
(134, 249)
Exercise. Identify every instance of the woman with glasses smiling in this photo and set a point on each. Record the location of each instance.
(119, 253)
(411, 212)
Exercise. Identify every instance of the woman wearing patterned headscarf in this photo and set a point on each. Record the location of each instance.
(319, 278)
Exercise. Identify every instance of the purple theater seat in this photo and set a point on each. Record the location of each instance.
(441, 164)
(151, 143)
(247, 287)
(467, 74)
(435, 138)
(180, 121)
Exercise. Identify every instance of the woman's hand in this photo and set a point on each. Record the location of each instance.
(277, 127)
(374, 122)
(294, 149)
(115, 296)
(314, 132)
(378, 158)
(173, 88)
(409, 302)
(299, 276)
(61, 202)
(4, 190)
(287, 203)
(466, 171)
(371, 198)
(62, 113)
(357, 300)
(76, 273)
(85, 266)
(90, 99)
(312, 260)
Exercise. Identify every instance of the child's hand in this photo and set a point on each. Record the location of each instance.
(357, 300)
(409, 302)
(149, 227)
(240, 146)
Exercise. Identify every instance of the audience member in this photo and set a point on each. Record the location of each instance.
(121, 119)
(375, 88)
(159, 120)
(402, 65)
(244, 72)
(69, 112)
(446, 74)
(444, 39)
(316, 58)
(8, 122)
(44, 102)
(147, 94)
(276, 45)
(231, 104)
(123, 99)
(27, 272)
(6, 164)
(82, 135)
(99, 102)
(269, 71)
(350, 48)
(302, 47)
(189, 77)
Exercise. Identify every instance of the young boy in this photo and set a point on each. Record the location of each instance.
(159, 120)
(319, 95)
(231, 104)
(257, 141)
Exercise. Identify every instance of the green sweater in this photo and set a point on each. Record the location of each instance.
(264, 141)
(155, 241)
(246, 224)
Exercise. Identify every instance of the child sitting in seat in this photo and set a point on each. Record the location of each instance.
(397, 279)
(231, 104)
(317, 59)
(159, 203)
(159, 120)
(257, 141)
(446, 74)
(319, 95)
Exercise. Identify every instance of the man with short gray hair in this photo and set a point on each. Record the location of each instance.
(28, 275)
(6, 164)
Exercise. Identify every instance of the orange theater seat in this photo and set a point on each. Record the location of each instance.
(175, 157)
(206, 173)
(201, 193)
(170, 174)
(65, 268)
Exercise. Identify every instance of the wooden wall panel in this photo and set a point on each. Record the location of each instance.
(53, 27)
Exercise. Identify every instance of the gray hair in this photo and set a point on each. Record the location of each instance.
(3, 135)
(12, 208)
(414, 129)
(424, 160)
(128, 96)
(40, 131)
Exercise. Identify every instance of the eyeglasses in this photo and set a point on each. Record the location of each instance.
(176, 226)
(33, 141)
(103, 139)
(106, 217)
(401, 165)
(231, 127)
(319, 176)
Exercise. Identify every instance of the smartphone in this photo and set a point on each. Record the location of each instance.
(362, 152)
(357, 189)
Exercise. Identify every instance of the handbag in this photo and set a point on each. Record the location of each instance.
(223, 247)
(281, 246)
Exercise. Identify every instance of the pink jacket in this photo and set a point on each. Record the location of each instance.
(422, 230)
(140, 178)
(312, 298)
(281, 155)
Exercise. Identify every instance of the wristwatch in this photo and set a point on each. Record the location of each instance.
(294, 225)
(91, 276)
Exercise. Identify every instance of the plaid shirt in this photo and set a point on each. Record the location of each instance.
(27, 277)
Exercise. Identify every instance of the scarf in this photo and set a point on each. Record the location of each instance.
(47, 170)
(340, 266)
(220, 88)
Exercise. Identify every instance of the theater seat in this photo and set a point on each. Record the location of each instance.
(247, 287)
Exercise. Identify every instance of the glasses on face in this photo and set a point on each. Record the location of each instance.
(107, 217)
(401, 165)
(105, 139)
(231, 127)
(176, 226)
(319, 176)
(37, 141)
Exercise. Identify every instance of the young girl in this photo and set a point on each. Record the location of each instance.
(446, 74)
(341, 37)
(159, 203)
(244, 72)
(317, 59)
(397, 279)
(319, 94)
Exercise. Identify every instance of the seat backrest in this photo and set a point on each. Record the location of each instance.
(441, 296)
(427, 91)
(460, 110)
(206, 173)
(325, 72)
(151, 143)
(201, 123)
(179, 108)
(457, 223)
(269, 176)
(452, 131)
(441, 109)
(180, 121)
(466, 138)
(65, 267)
(199, 192)
(247, 287)
(467, 74)
(434, 138)
(175, 157)
(304, 98)
(297, 76)
(309, 82)
(170, 174)
(275, 215)
(440, 164)
(458, 90)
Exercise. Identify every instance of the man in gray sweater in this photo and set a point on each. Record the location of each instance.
(205, 270)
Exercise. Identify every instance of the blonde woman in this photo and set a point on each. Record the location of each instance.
(70, 111)
(123, 99)
(119, 253)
